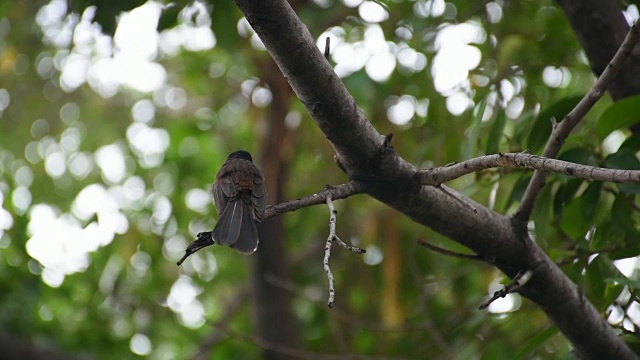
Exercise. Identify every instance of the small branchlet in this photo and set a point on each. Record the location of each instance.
(327, 48)
(327, 249)
(386, 146)
(518, 281)
(449, 252)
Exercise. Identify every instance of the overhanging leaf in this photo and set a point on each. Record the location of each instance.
(621, 114)
(496, 133)
(536, 341)
(601, 293)
(470, 146)
(542, 126)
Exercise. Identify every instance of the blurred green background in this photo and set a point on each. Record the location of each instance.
(116, 115)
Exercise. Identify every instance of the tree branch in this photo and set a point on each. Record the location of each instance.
(601, 27)
(563, 128)
(327, 249)
(437, 176)
(343, 191)
(334, 192)
(518, 281)
(393, 181)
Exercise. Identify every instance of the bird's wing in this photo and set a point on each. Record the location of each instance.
(258, 197)
(219, 198)
(229, 224)
(224, 189)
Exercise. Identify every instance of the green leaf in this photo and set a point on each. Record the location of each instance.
(630, 250)
(542, 216)
(579, 155)
(523, 127)
(509, 47)
(564, 194)
(618, 228)
(574, 272)
(542, 126)
(579, 215)
(632, 143)
(536, 341)
(601, 293)
(621, 114)
(519, 189)
(633, 284)
(506, 186)
(496, 133)
(621, 212)
(607, 235)
(590, 200)
(472, 142)
(632, 341)
(573, 222)
(624, 159)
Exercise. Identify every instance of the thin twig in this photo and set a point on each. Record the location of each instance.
(351, 248)
(335, 192)
(437, 176)
(449, 252)
(518, 281)
(563, 128)
(327, 249)
(325, 263)
(327, 48)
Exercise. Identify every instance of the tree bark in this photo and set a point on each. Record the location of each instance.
(387, 177)
(601, 27)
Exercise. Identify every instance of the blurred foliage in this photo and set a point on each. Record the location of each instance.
(398, 300)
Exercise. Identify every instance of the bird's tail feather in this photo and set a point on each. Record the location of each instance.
(236, 228)
(248, 237)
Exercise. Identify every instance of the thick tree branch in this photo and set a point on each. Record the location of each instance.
(392, 180)
(562, 130)
(437, 176)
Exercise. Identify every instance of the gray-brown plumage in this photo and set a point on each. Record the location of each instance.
(239, 196)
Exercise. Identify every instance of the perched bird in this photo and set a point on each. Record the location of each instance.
(240, 200)
(239, 196)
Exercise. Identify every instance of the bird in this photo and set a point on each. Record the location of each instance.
(239, 196)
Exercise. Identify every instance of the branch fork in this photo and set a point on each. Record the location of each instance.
(333, 237)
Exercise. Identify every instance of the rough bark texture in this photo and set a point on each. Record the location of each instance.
(600, 27)
(275, 320)
(392, 180)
